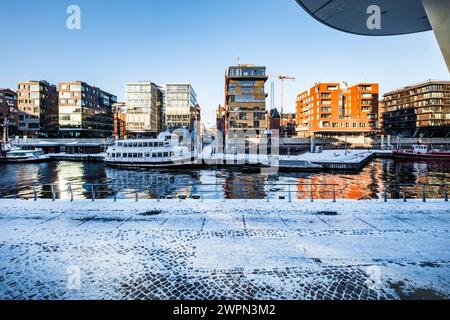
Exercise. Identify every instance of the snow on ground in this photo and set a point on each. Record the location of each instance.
(231, 249)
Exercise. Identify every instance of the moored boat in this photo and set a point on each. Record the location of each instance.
(422, 152)
(161, 153)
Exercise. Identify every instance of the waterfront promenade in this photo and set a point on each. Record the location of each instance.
(232, 249)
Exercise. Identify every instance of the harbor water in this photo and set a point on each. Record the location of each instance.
(17, 180)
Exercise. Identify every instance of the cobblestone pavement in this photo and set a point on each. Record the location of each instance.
(220, 251)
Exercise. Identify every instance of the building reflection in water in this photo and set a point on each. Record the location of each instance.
(370, 183)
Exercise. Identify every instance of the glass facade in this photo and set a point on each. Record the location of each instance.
(142, 108)
(182, 108)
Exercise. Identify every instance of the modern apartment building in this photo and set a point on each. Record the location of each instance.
(245, 98)
(120, 120)
(85, 111)
(144, 108)
(38, 107)
(418, 110)
(330, 110)
(182, 109)
(8, 109)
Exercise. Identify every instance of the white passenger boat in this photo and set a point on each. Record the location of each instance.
(18, 155)
(163, 152)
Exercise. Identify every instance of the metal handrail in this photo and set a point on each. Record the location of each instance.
(112, 190)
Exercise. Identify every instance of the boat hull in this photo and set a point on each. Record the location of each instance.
(24, 160)
(434, 156)
(150, 165)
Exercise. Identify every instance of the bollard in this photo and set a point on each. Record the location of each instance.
(69, 189)
(53, 193)
(268, 194)
(424, 194)
(446, 194)
(93, 193)
(34, 193)
(385, 196)
(334, 193)
(289, 193)
(404, 196)
(115, 194)
(312, 193)
(136, 196)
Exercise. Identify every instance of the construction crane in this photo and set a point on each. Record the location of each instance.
(282, 79)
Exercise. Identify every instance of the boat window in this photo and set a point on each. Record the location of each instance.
(147, 155)
(119, 144)
(166, 143)
(145, 144)
(154, 155)
(140, 144)
(135, 155)
(160, 144)
(166, 154)
(135, 144)
(160, 155)
(140, 155)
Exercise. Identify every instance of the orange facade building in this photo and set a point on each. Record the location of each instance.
(331, 110)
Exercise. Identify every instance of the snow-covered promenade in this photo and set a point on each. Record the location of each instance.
(224, 250)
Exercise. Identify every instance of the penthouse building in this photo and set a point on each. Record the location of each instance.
(245, 98)
(38, 107)
(330, 110)
(421, 109)
(85, 111)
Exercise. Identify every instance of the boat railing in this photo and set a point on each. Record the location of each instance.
(203, 191)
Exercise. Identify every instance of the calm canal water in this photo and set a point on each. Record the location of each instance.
(17, 179)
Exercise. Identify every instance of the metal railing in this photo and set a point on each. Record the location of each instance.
(400, 191)
(200, 191)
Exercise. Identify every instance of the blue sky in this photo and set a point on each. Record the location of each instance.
(194, 41)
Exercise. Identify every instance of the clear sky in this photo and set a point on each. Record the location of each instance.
(194, 41)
